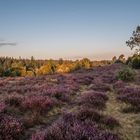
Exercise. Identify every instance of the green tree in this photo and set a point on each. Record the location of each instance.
(122, 58)
(114, 58)
(31, 66)
(85, 63)
(134, 41)
(60, 61)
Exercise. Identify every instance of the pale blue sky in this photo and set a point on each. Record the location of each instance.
(68, 29)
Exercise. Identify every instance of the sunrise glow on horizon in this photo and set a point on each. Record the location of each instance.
(68, 29)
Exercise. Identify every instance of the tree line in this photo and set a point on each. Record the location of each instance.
(32, 67)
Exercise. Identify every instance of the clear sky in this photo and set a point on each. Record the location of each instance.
(68, 29)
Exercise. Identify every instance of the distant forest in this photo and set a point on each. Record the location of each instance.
(31, 67)
(11, 67)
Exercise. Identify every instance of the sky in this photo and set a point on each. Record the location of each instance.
(68, 29)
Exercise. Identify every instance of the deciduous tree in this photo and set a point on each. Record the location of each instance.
(134, 41)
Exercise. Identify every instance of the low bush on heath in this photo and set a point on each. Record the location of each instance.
(80, 125)
(126, 74)
(10, 128)
(94, 99)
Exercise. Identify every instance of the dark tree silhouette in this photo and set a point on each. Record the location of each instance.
(114, 58)
(31, 66)
(134, 41)
(121, 57)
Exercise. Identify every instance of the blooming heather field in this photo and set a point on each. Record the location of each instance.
(83, 105)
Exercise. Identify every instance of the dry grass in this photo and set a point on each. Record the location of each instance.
(130, 122)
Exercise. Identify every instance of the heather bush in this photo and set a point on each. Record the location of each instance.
(39, 135)
(93, 99)
(10, 128)
(108, 78)
(72, 86)
(82, 124)
(84, 79)
(82, 115)
(2, 107)
(2, 83)
(37, 104)
(124, 90)
(110, 122)
(59, 92)
(14, 100)
(88, 114)
(126, 74)
(119, 85)
(131, 96)
(62, 130)
(100, 87)
(62, 96)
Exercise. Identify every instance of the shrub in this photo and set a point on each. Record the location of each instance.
(126, 74)
(39, 135)
(129, 61)
(96, 100)
(14, 100)
(82, 115)
(118, 61)
(94, 116)
(84, 79)
(136, 62)
(15, 73)
(126, 90)
(82, 124)
(35, 107)
(2, 107)
(130, 96)
(10, 128)
(62, 130)
(100, 87)
(119, 85)
(37, 104)
(110, 122)
(7, 72)
(59, 92)
(88, 114)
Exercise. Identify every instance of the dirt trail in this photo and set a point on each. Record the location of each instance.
(130, 129)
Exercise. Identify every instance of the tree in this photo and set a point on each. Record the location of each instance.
(85, 63)
(49, 68)
(114, 58)
(134, 41)
(121, 57)
(31, 66)
(60, 61)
